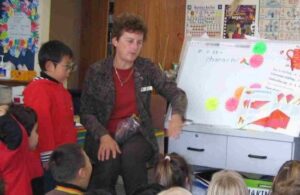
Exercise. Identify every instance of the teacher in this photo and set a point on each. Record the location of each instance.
(116, 97)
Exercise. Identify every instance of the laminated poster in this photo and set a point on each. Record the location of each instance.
(19, 31)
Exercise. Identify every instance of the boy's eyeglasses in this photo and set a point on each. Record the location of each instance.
(71, 66)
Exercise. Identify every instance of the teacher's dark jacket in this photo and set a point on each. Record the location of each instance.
(98, 98)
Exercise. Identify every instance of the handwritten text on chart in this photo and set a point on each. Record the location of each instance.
(215, 56)
(213, 52)
(216, 59)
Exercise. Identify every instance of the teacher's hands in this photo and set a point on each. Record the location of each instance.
(175, 126)
(107, 145)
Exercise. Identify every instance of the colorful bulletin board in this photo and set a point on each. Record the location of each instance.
(19, 31)
(213, 18)
(273, 19)
(279, 19)
(217, 73)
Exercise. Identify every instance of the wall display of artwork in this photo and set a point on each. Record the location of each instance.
(268, 19)
(279, 19)
(203, 18)
(240, 23)
(213, 18)
(19, 31)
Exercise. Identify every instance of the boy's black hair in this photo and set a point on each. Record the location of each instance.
(53, 51)
(25, 115)
(10, 132)
(65, 162)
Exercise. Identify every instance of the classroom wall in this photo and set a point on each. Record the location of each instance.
(65, 25)
(94, 25)
(44, 25)
(165, 20)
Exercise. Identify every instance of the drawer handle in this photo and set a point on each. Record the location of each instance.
(196, 149)
(257, 156)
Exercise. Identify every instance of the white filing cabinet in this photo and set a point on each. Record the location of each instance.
(240, 150)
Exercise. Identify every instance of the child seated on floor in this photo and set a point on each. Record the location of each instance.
(27, 117)
(71, 168)
(227, 183)
(175, 191)
(287, 181)
(15, 164)
(172, 170)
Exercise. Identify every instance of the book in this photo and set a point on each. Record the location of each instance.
(256, 186)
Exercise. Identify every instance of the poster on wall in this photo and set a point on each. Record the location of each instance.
(279, 19)
(203, 18)
(213, 18)
(240, 23)
(19, 32)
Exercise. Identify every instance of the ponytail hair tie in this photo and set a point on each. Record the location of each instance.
(167, 158)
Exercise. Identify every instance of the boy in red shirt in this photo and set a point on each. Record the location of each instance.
(52, 102)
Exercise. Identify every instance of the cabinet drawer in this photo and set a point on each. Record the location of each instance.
(201, 149)
(257, 156)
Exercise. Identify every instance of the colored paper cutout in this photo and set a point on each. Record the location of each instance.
(246, 103)
(260, 48)
(277, 119)
(231, 104)
(255, 86)
(289, 98)
(280, 96)
(244, 61)
(211, 104)
(258, 104)
(238, 92)
(256, 61)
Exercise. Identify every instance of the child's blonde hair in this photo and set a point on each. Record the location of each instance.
(175, 191)
(227, 183)
(287, 181)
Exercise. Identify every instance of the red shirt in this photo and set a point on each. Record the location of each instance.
(34, 165)
(53, 105)
(125, 99)
(14, 168)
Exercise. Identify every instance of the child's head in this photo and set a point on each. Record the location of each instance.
(10, 131)
(173, 170)
(287, 181)
(70, 164)
(227, 183)
(28, 118)
(127, 22)
(55, 59)
(175, 191)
